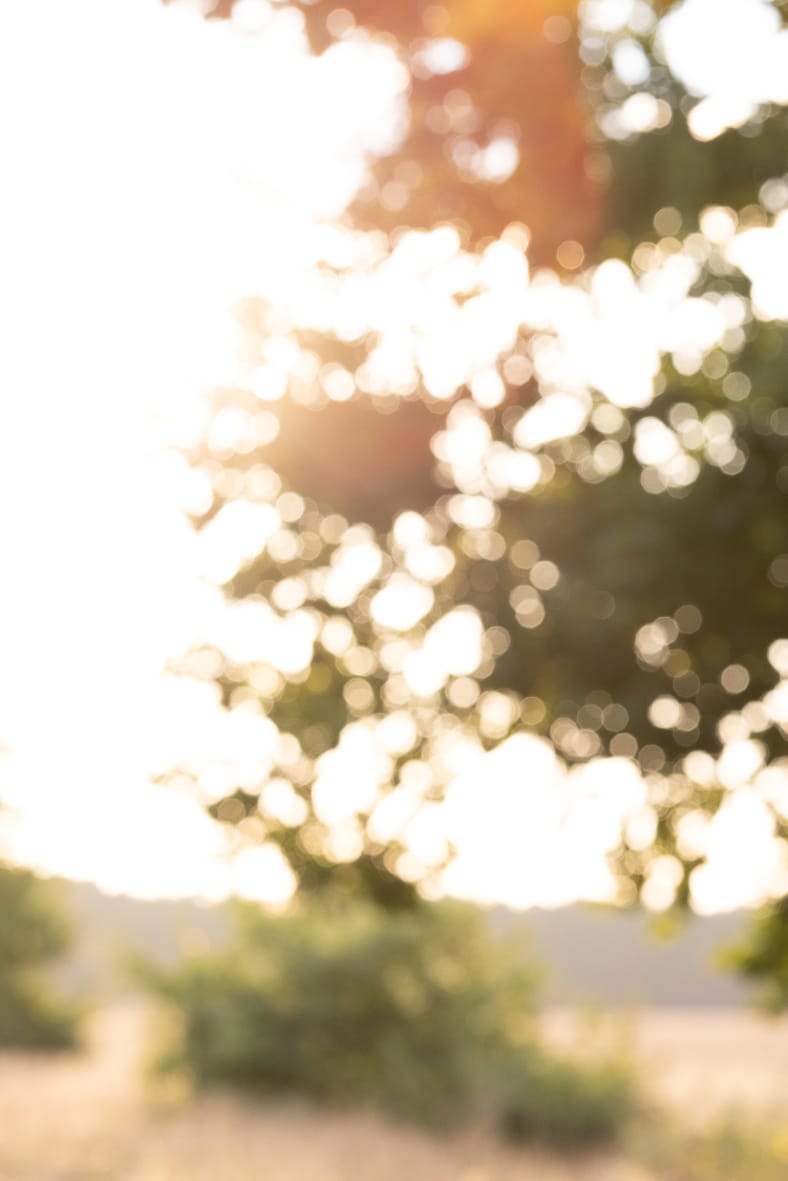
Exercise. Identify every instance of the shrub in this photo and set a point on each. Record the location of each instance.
(32, 932)
(32, 1019)
(423, 1013)
(567, 1102)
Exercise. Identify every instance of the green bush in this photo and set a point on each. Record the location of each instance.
(567, 1102)
(762, 955)
(422, 1013)
(32, 1019)
(32, 932)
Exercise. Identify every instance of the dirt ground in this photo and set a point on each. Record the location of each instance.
(90, 1117)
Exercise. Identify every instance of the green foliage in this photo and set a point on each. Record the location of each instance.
(644, 623)
(764, 956)
(568, 1103)
(33, 931)
(423, 1014)
(32, 1019)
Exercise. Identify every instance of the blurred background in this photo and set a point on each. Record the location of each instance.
(394, 536)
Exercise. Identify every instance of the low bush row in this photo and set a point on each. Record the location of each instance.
(423, 1013)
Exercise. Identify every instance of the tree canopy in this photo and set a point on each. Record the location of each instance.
(519, 463)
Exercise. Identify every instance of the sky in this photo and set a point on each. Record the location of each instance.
(162, 167)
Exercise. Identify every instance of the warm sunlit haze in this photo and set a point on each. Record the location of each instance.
(159, 168)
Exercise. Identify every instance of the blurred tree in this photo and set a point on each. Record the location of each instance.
(481, 78)
(617, 553)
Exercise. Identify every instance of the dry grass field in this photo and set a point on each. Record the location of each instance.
(700, 1063)
(91, 1117)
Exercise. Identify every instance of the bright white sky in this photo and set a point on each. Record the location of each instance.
(157, 167)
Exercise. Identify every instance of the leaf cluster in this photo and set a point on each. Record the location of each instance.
(641, 625)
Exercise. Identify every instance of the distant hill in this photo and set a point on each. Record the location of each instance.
(108, 927)
(590, 954)
(613, 957)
